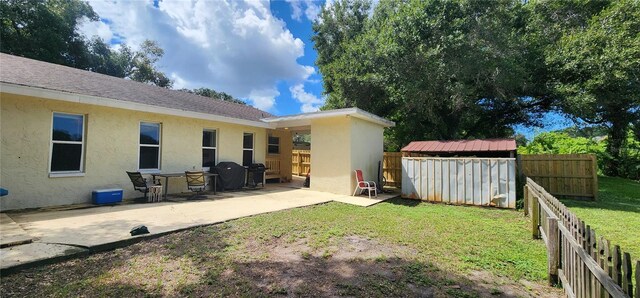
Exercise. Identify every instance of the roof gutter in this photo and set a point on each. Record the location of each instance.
(120, 104)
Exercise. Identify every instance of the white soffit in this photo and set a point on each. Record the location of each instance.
(305, 119)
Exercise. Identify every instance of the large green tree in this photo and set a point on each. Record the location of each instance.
(105, 60)
(45, 30)
(143, 67)
(596, 73)
(208, 92)
(440, 69)
(138, 65)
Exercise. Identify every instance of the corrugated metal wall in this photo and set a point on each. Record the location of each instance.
(462, 181)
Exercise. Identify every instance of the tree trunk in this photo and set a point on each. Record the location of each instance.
(617, 136)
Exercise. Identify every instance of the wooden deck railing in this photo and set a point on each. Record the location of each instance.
(273, 168)
(585, 265)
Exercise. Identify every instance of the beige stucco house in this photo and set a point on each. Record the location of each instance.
(66, 132)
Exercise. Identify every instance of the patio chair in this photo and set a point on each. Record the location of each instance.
(363, 185)
(196, 183)
(140, 183)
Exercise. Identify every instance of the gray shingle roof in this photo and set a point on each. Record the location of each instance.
(34, 73)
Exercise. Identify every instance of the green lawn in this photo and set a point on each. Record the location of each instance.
(616, 213)
(396, 248)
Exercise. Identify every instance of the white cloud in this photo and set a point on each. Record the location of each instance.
(310, 102)
(312, 11)
(99, 29)
(296, 9)
(238, 47)
(263, 99)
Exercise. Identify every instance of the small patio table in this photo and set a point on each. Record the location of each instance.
(166, 177)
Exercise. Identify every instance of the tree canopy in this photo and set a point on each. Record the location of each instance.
(430, 67)
(47, 31)
(596, 72)
(208, 92)
(460, 69)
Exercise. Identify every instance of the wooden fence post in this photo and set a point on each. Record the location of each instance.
(299, 162)
(526, 200)
(294, 162)
(593, 240)
(594, 167)
(637, 277)
(535, 217)
(553, 248)
(627, 284)
(616, 265)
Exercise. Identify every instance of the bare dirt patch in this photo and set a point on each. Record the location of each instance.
(217, 261)
(359, 266)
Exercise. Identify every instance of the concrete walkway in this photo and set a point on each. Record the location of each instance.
(59, 234)
(11, 233)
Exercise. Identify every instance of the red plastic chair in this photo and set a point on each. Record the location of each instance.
(364, 185)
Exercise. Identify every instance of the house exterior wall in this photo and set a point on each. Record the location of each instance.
(340, 146)
(331, 155)
(111, 148)
(367, 149)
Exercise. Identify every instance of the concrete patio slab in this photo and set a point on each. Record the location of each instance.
(365, 201)
(11, 233)
(61, 233)
(16, 256)
(103, 225)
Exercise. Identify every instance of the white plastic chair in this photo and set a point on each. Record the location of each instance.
(364, 185)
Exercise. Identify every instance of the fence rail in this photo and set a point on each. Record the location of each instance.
(566, 175)
(585, 265)
(300, 162)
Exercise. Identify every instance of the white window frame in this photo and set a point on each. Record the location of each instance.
(269, 144)
(79, 172)
(214, 148)
(253, 146)
(159, 146)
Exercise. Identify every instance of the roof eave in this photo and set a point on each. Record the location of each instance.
(45, 93)
(305, 118)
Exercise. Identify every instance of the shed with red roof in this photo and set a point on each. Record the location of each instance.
(462, 148)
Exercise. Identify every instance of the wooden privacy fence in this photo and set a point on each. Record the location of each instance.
(564, 175)
(585, 265)
(468, 181)
(391, 165)
(300, 162)
(392, 168)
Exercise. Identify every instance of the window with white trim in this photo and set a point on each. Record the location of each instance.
(209, 148)
(273, 146)
(67, 143)
(149, 153)
(247, 149)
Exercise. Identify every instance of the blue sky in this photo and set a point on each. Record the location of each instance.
(259, 51)
(301, 29)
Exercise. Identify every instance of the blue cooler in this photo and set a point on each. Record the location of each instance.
(107, 196)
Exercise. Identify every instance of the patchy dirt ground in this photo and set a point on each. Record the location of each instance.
(217, 261)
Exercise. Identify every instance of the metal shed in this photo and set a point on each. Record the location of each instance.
(478, 148)
(466, 172)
